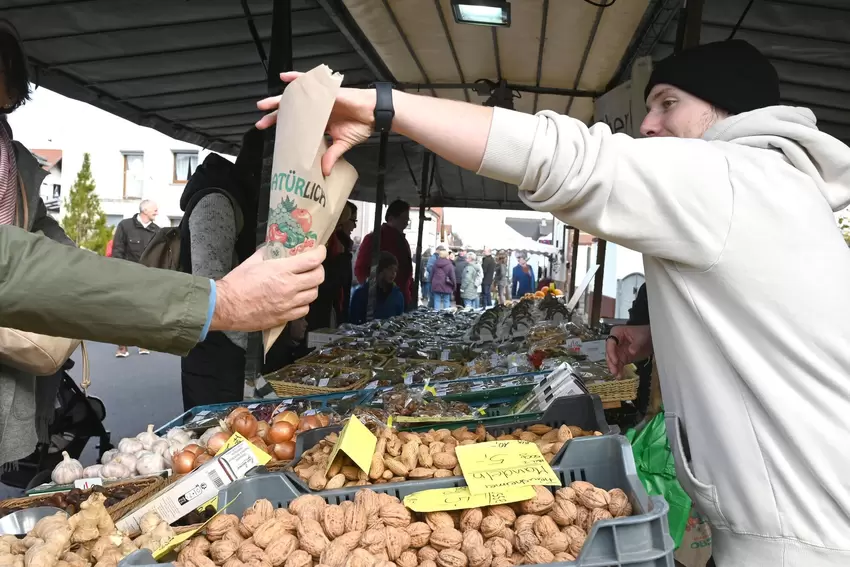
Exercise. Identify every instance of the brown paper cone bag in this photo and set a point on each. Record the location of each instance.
(304, 205)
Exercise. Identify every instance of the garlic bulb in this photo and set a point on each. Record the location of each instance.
(148, 438)
(92, 471)
(114, 469)
(162, 447)
(108, 455)
(178, 434)
(207, 434)
(67, 471)
(125, 459)
(150, 463)
(130, 445)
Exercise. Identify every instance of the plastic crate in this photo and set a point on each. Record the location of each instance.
(642, 540)
(584, 411)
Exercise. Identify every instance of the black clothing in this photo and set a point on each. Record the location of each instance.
(131, 238)
(488, 267)
(639, 315)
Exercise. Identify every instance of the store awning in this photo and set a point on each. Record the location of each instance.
(193, 69)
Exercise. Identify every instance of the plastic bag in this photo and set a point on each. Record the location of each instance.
(656, 470)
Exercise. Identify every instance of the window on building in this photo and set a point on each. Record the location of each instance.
(57, 190)
(175, 221)
(113, 220)
(134, 175)
(185, 164)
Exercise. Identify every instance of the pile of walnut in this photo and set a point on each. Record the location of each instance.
(411, 456)
(85, 539)
(376, 530)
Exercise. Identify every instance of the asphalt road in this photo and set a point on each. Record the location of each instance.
(137, 390)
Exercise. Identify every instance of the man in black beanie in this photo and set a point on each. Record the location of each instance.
(749, 322)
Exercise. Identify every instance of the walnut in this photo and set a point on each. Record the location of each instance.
(545, 526)
(369, 500)
(259, 563)
(395, 515)
(312, 537)
(581, 486)
(234, 536)
(419, 533)
(563, 512)
(568, 494)
(446, 538)
(478, 556)
(427, 563)
(509, 535)
(268, 531)
(349, 540)
(539, 555)
(427, 553)
(556, 543)
(504, 512)
(540, 504)
(525, 540)
(471, 539)
(287, 519)
(220, 525)
(356, 518)
(564, 557)
(360, 558)
(334, 555)
(525, 522)
(397, 542)
(451, 558)
(502, 562)
(499, 546)
(408, 558)
(471, 519)
(491, 526)
(437, 520)
(333, 521)
(308, 506)
(299, 558)
(618, 503)
(249, 523)
(592, 499)
(598, 514)
(222, 550)
(582, 517)
(248, 551)
(262, 507)
(233, 562)
(517, 558)
(576, 543)
(280, 549)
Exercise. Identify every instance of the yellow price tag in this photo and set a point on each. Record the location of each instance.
(178, 539)
(445, 499)
(499, 465)
(356, 441)
(235, 439)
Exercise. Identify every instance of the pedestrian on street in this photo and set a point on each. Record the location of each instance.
(500, 278)
(470, 286)
(488, 266)
(429, 269)
(443, 280)
(131, 238)
(522, 280)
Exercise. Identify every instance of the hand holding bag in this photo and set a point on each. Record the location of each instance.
(41, 355)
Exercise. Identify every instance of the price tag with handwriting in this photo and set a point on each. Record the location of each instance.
(443, 499)
(356, 441)
(496, 466)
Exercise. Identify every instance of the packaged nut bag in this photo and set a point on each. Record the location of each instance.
(304, 205)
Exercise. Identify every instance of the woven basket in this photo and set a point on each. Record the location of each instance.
(292, 389)
(615, 390)
(143, 485)
(316, 358)
(139, 499)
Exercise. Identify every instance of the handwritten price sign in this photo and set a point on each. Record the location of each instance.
(497, 466)
(445, 499)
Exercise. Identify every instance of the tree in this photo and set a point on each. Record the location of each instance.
(84, 221)
(844, 225)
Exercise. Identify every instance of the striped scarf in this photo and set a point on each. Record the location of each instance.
(8, 177)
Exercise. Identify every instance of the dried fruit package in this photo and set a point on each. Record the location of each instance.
(304, 205)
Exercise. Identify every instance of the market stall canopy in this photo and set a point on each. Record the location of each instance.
(193, 70)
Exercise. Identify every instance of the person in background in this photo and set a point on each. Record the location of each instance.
(453, 258)
(131, 238)
(393, 241)
(346, 262)
(488, 267)
(429, 268)
(443, 280)
(522, 281)
(219, 204)
(500, 278)
(389, 300)
(460, 266)
(470, 287)
(425, 277)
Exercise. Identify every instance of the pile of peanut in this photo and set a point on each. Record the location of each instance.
(376, 530)
(411, 456)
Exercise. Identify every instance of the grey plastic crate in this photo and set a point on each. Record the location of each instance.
(583, 411)
(642, 540)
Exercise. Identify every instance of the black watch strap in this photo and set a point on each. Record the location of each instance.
(384, 110)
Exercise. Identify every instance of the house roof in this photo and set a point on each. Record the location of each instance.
(47, 158)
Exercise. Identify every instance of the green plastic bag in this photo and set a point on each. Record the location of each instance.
(656, 470)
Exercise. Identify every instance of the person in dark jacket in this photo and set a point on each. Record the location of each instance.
(345, 259)
(488, 266)
(393, 241)
(639, 315)
(460, 267)
(443, 282)
(523, 278)
(131, 238)
(219, 233)
(389, 300)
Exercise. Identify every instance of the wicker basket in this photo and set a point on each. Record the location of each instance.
(292, 389)
(615, 390)
(141, 498)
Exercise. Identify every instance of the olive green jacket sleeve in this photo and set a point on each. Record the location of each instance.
(52, 289)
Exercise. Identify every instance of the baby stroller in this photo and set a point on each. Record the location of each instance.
(77, 418)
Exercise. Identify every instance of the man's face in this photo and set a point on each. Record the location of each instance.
(401, 221)
(521, 261)
(387, 275)
(486, 251)
(672, 112)
(151, 212)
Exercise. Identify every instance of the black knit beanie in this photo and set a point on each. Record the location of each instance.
(731, 75)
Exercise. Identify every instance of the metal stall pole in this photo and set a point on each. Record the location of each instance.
(596, 306)
(376, 229)
(574, 261)
(424, 182)
(280, 60)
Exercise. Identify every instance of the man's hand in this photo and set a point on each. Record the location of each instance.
(260, 295)
(351, 122)
(628, 343)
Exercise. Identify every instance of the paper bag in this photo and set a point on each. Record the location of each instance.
(304, 205)
(695, 550)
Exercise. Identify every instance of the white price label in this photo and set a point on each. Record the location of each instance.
(324, 382)
(86, 483)
(371, 385)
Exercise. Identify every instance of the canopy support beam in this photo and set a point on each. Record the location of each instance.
(596, 306)
(424, 183)
(574, 241)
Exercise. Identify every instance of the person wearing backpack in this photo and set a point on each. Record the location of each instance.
(129, 242)
(218, 232)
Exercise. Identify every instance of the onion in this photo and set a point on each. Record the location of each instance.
(260, 444)
(262, 430)
(216, 442)
(284, 451)
(309, 422)
(324, 419)
(245, 425)
(207, 434)
(281, 431)
(183, 461)
(289, 416)
(194, 449)
(234, 414)
(200, 460)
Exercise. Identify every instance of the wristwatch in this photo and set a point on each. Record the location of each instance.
(384, 111)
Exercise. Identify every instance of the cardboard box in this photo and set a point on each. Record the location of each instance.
(195, 488)
(321, 337)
